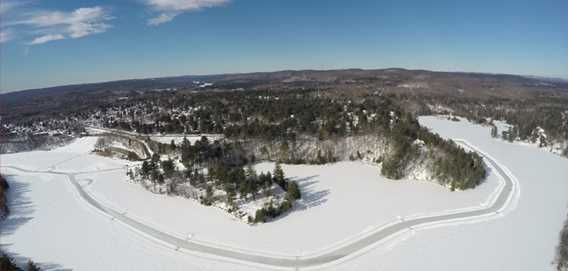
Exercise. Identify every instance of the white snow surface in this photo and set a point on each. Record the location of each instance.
(340, 201)
(330, 195)
(75, 157)
(59, 232)
(524, 239)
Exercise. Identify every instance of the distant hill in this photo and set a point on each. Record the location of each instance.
(112, 86)
(347, 81)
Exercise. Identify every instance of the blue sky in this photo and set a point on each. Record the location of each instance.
(47, 43)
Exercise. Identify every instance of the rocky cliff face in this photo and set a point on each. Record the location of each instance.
(370, 148)
(122, 146)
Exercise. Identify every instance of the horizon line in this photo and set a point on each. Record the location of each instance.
(542, 77)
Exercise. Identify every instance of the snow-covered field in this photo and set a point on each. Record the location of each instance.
(340, 201)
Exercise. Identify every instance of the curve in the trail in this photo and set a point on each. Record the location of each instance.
(341, 252)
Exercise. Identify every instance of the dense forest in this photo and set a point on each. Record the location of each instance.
(285, 119)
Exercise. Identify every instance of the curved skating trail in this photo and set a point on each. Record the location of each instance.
(342, 252)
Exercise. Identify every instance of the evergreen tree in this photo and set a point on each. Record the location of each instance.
(168, 167)
(293, 192)
(146, 169)
(155, 158)
(251, 173)
(7, 264)
(31, 266)
(279, 177)
(172, 145)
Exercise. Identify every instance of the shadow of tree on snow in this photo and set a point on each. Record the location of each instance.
(311, 197)
(19, 204)
(21, 212)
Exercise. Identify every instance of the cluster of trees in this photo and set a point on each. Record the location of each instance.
(218, 166)
(155, 170)
(248, 184)
(452, 165)
(8, 264)
(272, 210)
(562, 250)
(3, 200)
(459, 169)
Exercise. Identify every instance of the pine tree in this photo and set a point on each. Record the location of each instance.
(146, 169)
(279, 177)
(32, 266)
(250, 173)
(6, 263)
(173, 145)
(155, 158)
(168, 167)
(293, 192)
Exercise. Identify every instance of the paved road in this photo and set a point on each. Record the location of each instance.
(296, 262)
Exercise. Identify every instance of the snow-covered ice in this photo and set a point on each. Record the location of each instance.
(352, 196)
(524, 239)
(340, 201)
(52, 226)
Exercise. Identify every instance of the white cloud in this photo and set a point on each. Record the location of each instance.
(162, 18)
(46, 38)
(8, 5)
(169, 9)
(57, 25)
(5, 35)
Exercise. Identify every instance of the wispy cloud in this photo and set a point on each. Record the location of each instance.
(5, 35)
(46, 38)
(8, 5)
(57, 25)
(162, 18)
(42, 26)
(167, 10)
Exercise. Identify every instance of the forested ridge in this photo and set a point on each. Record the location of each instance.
(286, 118)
